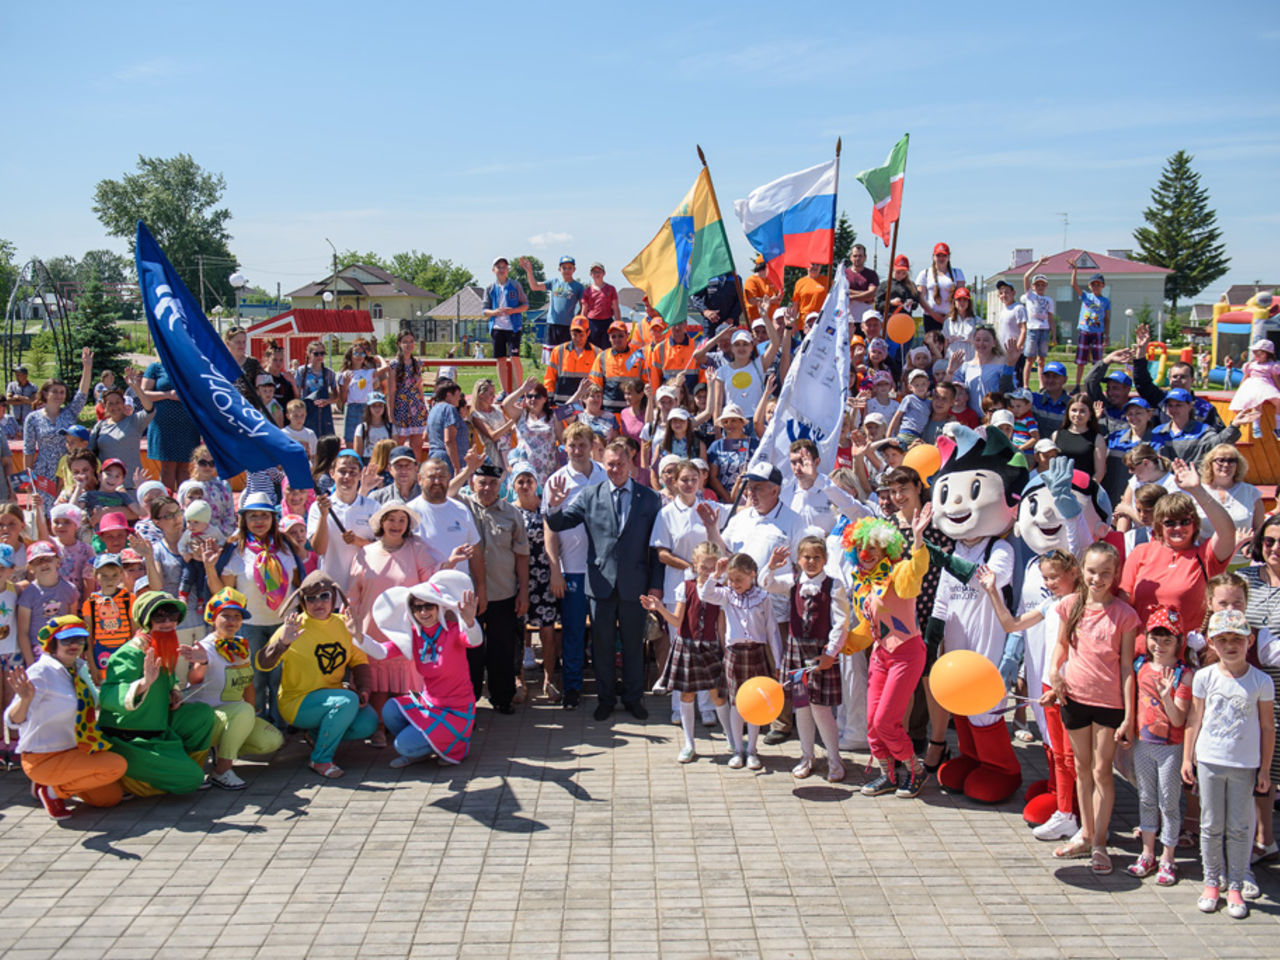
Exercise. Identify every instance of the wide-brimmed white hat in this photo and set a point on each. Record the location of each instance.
(391, 613)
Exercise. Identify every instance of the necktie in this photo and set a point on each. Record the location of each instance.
(617, 506)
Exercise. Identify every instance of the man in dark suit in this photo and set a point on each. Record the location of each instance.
(618, 517)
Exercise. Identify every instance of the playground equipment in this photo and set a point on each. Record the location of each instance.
(1234, 328)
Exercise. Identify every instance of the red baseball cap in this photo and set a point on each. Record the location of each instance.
(941, 248)
(901, 262)
(113, 462)
(1166, 619)
(962, 293)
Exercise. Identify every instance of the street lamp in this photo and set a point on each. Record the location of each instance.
(327, 297)
(238, 283)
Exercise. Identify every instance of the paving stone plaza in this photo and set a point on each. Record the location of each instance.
(565, 838)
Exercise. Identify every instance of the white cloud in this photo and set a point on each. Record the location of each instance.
(550, 239)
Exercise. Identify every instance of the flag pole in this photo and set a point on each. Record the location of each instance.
(835, 207)
(715, 202)
(893, 251)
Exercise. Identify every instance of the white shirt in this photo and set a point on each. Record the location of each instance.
(679, 529)
(1238, 500)
(744, 624)
(784, 580)
(239, 565)
(1039, 309)
(959, 336)
(50, 726)
(968, 613)
(360, 384)
(886, 408)
(743, 386)
(573, 542)
(946, 285)
(1230, 734)
(355, 517)
(822, 504)
(1009, 323)
(759, 535)
(444, 526)
(214, 689)
(306, 436)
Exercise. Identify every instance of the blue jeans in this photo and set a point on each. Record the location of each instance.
(408, 740)
(352, 414)
(573, 630)
(266, 686)
(334, 715)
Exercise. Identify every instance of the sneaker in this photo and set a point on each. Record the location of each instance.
(803, 770)
(1060, 826)
(1265, 853)
(879, 786)
(53, 804)
(400, 761)
(737, 761)
(753, 762)
(687, 755)
(227, 780)
(1250, 888)
(912, 784)
(775, 737)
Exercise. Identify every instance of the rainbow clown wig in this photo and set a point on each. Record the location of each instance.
(872, 532)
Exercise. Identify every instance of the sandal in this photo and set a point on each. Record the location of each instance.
(1167, 874)
(1100, 861)
(378, 738)
(330, 770)
(1021, 733)
(550, 691)
(1144, 866)
(1187, 840)
(942, 757)
(1073, 849)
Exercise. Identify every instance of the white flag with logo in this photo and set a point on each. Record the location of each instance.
(811, 404)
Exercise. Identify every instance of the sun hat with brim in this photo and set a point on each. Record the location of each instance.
(149, 601)
(375, 522)
(226, 599)
(731, 411)
(258, 501)
(1266, 345)
(113, 521)
(391, 612)
(61, 628)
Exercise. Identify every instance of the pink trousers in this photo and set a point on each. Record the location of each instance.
(891, 680)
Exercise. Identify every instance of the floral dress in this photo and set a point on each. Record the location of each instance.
(544, 609)
(43, 446)
(218, 495)
(536, 446)
(409, 407)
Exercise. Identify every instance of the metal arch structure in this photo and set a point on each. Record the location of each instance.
(36, 297)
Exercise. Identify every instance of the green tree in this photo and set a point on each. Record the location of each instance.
(178, 200)
(536, 299)
(8, 271)
(1181, 232)
(845, 237)
(442, 277)
(95, 324)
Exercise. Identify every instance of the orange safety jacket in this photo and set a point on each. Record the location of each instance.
(669, 360)
(566, 369)
(612, 370)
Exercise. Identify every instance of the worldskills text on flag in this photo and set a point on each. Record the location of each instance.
(885, 186)
(810, 402)
(688, 251)
(791, 222)
(203, 373)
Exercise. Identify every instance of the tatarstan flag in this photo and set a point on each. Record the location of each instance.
(687, 252)
(885, 186)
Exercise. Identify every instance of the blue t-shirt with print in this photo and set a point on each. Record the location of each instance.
(1093, 309)
(730, 457)
(562, 301)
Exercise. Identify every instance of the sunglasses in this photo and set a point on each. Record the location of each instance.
(319, 354)
(209, 463)
(1181, 522)
(1270, 543)
(418, 605)
(1224, 461)
(322, 597)
(166, 615)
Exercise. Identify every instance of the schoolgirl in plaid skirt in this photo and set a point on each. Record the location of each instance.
(696, 660)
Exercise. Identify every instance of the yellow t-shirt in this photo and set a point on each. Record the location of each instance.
(317, 660)
(808, 294)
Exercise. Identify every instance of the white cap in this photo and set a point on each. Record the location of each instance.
(780, 313)
(875, 418)
(1044, 445)
(1001, 418)
(916, 374)
(741, 337)
(759, 322)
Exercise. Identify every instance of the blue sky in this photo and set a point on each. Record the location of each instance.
(571, 128)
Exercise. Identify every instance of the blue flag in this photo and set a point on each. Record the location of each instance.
(203, 373)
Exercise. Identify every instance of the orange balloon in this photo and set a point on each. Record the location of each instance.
(857, 639)
(900, 327)
(966, 683)
(924, 458)
(760, 700)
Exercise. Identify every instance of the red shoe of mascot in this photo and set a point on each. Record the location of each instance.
(975, 502)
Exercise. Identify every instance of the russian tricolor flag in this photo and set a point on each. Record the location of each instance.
(791, 222)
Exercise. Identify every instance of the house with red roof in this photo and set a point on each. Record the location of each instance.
(1130, 285)
(388, 299)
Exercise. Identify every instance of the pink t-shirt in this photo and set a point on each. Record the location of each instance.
(1093, 668)
(598, 304)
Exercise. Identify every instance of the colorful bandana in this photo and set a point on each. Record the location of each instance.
(232, 649)
(268, 572)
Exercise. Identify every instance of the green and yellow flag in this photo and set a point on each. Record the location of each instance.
(688, 251)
